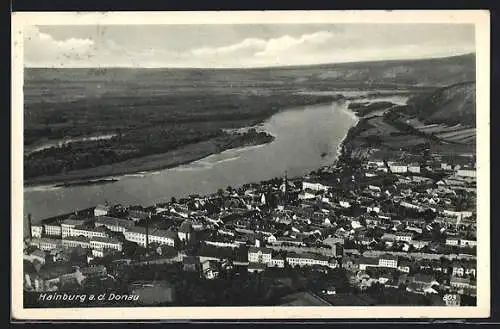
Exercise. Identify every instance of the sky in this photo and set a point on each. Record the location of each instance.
(226, 46)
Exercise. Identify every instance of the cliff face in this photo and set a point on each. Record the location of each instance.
(450, 105)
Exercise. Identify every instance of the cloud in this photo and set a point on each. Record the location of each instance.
(64, 47)
(41, 47)
(268, 47)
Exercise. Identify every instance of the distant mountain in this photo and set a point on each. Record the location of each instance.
(453, 104)
(435, 72)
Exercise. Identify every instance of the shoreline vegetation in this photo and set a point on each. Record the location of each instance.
(183, 155)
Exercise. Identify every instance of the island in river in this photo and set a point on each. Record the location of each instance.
(169, 159)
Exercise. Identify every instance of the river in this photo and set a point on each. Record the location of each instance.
(302, 136)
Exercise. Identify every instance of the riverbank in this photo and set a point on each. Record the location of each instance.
(174, 158)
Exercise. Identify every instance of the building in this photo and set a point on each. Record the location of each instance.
(114, 224)
(404, 237)
(276, 261)
(466, 173)
(105, 243)
(52, 229)
(404, 267)
(446, 166)
(388, 261)
(414, 168)
(68, 224)
(210, 269)
(468, 243)
(295, 259)
(37, 255)
(256, 267)
(363, 263)
(136, 234)
(398, 168)
(102, 252)
(46, 243)
(190, 264)
(36, 231)
(101, 210)
(460, 283)
(76, 241)
(259, 255)
(185, 232)
(88, 231)
(137, 215)
(452, 241)
(314, 186)
(163, 237)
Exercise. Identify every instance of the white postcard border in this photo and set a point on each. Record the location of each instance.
(480, 18)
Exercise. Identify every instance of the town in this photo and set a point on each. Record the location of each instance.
(371, 230)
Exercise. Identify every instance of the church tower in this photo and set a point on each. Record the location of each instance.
(284, 189)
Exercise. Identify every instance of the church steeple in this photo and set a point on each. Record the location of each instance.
(284, 189)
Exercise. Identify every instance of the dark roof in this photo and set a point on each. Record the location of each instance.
(80, 238)
(70, 221)
(92, 269)
(107, 220)
(163, 233)
(367, 260)
(264, 250)
(388, 256)
(424, 278)
(105, 240)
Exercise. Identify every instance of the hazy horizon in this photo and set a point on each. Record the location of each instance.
(251, 67)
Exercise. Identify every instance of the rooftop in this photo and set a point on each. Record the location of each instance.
(112, 221)
(262, 250)
(105, 240)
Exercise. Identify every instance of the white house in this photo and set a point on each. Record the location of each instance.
(452, 241)
(388, 261)
(398, 168)
(101, 210)
(344, 204)
(414, 168)
(88, 232)
(67, 225)
(52, 229)
(468, 243)
(259, 255)
(404, 237)
(307, 260)
(276, 261)
(36, 231)
(105, 243)
(466, 173)
(76, 241)
(314, 186)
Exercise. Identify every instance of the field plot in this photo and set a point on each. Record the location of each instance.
(439, 128)
(403, 141)
(379, 128)
(459, 136)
